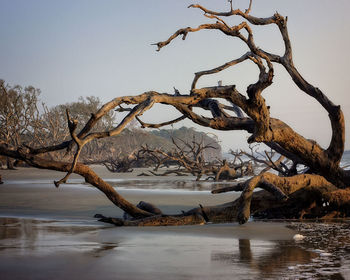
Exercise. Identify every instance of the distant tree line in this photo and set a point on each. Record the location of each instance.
(26, 121)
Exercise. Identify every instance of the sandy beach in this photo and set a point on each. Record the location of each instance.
(50, 233)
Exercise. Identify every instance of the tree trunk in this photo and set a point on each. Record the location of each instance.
(10, 163)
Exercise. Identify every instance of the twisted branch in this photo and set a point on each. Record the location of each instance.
(148, 125)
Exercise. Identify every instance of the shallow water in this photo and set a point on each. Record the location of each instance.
(331, 242)
(49, 233)
(47, 249)
(165, 183)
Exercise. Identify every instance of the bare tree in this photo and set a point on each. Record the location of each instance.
(189, 159)
(121, 164)
(264, 160)
(18, 115)
(325, 183)
(188, 155)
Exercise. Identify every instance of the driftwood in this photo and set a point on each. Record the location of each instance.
(322, 192)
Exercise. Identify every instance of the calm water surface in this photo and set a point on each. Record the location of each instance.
(44, 249)
(55, 237)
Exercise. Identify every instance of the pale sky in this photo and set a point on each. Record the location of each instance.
(103, 48)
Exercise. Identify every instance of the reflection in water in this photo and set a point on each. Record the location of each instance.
(28, 235)
(271, 264)
(103, 249)
(323, 254)
(183, 184)
(331, 241)
(245, 253)
(22, 233)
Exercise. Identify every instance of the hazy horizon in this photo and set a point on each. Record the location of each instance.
(103, 48)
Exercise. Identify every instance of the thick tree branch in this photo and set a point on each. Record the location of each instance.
(336, 147)
(72, 125)
(148, 125)
(89, 175)
(229, 123)
(280, 187)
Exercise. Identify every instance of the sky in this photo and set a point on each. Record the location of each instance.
(69, 49)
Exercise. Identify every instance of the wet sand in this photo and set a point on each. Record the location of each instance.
(50, 233)
(27, 192)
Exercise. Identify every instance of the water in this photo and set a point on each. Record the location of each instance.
(345, 163)
(50, 234)
(48, 249)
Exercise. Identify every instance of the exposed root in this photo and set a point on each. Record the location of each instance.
(279, 187)
(301, 196)
(157, 220)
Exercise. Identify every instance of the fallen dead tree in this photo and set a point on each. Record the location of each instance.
(188, 159)
(264, 160)
(323, 191)
(187, 155)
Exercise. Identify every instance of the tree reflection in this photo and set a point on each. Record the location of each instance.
(29, 234)
(283, 255)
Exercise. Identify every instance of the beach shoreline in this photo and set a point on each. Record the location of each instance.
(50, 233)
